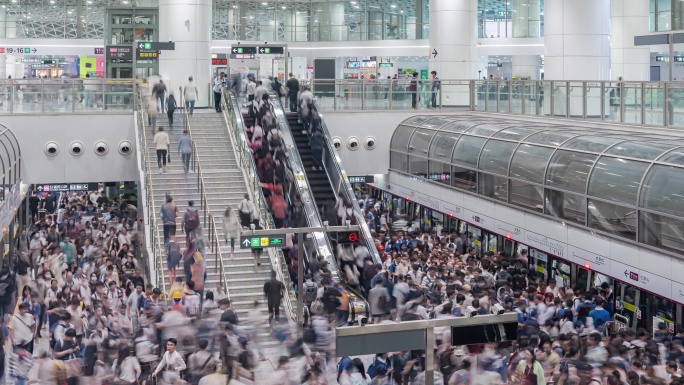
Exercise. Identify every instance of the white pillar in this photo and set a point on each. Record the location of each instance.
(526, 66)
(629, 18)
(526, 15)
(453, 34)
(577, 39)
(188, 24)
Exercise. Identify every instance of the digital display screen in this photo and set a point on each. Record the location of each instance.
(353, 64)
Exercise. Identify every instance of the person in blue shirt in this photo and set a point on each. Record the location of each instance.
(599, 314)
(370, 218)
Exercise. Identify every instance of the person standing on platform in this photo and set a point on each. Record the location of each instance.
(413, 89)
(436, 87)
(273, 291)
(219, 82)
(292, 85)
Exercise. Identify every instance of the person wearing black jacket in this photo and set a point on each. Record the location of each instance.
(292, 85)
(273, 291)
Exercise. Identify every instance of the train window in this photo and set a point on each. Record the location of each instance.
(398, 161)
(568, 170)
(615, 219)
(565, 205)
(493, 186)
(527, 195)
(464, 178)
(529, 162)
(418, 166)
(617, 179)
(496, 155)
(440, 172)
(661, 231)
(662, 190)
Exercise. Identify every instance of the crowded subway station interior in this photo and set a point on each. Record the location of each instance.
(364, 192)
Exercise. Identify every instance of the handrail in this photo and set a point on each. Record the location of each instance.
(331, 161)
(243, 154)
(214, 240)
(154, 236)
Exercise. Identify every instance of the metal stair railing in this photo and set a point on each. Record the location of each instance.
(208, 218)
(243, 155)
(153, 240)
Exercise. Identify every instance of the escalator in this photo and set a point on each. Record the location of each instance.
(329, 185)
(318, 179)
(303, 196)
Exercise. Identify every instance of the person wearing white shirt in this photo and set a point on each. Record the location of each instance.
(172, 361)
(126, 368)
(162, 144)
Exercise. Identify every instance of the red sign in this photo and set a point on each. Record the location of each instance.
(219, 62)
(2, 50)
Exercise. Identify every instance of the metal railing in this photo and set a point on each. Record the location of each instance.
(153, 239)
(208, 221)
(69, 96)
(648, 103)
(245, 160)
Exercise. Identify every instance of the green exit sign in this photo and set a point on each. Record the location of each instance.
(239, 50)
(267, 50)
(257, 242)
(148, 45)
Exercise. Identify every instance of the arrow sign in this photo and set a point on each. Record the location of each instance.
(262, 50)
(434, 53)
(234, 50)
(34, 50)
(141, 45)
(246, 243)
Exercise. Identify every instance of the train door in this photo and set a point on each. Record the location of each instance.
(559, 271)
(475, 238)
(508, 247)
(491, 242)
(627, 299)
(538, 262)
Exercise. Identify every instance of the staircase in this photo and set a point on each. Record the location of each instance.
(225, 188)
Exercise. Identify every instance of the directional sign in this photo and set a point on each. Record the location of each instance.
(242, 56)
(434, 53)
(66, 187)
(241, 49)
(256, 242)
(272, 50)
(23, 50)
(157, 45)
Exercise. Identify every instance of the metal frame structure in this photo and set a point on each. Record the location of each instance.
(616, 172)
(395, 330)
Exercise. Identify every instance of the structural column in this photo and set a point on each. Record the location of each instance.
(526, 66)
(577, 39)
(453, 36)
(188, 24)
(629, 18)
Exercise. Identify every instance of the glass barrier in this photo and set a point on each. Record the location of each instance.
(649, 103)
(33, 96)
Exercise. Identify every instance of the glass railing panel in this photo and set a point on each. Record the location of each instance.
(530, 97)
(480, 95)
(492, 95)
(632, 103)
(454, 94)
(675, 104)
(504, 97)
(575, 100)
(654, 100)
(612, 94)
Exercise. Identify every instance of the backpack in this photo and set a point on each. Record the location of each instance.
(275, 140)
(373, 369)
(344, 362)
(309, 336)
(310, 292)
(382, 303)
(191, 220)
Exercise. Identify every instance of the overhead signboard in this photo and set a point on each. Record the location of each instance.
(98, 51)
(382, 65)
(361, 179)
(256, 242)
(118, 52)
(19, 50)
(59, 187)
(156, 46)
(243, 49)
(219, 62)
(272, 50)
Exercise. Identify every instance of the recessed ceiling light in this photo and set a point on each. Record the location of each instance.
(283, 7)
(90, 2)
(353, 2)
(264, 3)
(393, 6)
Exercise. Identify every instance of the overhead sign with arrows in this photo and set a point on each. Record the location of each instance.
(249, 52)
(255, 242)
(434, 53)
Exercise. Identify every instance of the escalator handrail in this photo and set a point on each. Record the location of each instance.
(312, 213)
(348, 191)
